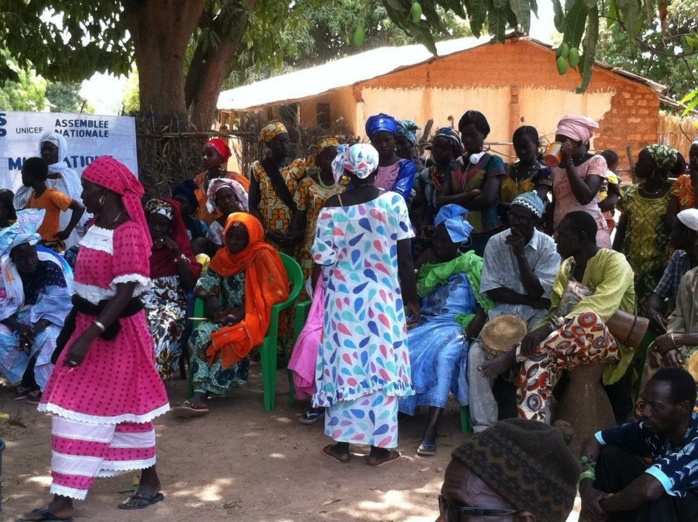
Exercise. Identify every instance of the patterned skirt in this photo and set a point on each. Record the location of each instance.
(371, 419)
(166, 305)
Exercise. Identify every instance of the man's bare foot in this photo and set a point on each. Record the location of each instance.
(495, 367)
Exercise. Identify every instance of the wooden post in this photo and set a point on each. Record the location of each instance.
(631, 162)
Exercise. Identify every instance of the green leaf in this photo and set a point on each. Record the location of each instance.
(575, 22)
(591, 36)
(497, 24)
(522, 10)
(611, 14)
(559, 18)
(629, 14)
(478, 15)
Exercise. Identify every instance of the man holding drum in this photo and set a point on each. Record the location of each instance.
(518, 272)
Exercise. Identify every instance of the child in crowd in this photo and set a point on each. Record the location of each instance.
(609, 194)
(34, 175)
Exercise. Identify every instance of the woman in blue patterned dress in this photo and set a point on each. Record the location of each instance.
(362, 245)
(453, 311)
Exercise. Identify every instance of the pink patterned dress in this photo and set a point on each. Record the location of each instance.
(113, 396)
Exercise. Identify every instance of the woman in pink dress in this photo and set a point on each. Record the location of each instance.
(578, 178)
(105, 390)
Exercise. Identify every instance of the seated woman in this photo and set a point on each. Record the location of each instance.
(173, 271)
(185, 194)
(34, 293)
(225, 196)
(452, 313)
(243, 281)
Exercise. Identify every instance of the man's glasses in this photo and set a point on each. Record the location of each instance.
(454, 510)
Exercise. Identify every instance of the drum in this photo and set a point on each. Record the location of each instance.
(503, 333)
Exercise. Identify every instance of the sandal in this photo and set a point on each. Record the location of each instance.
(327, 450)
(312, 416)
(141, 501)
(40, 514)
(426, 449)
(22, 392)
(34, 397)
(392, 456)
(188, 411)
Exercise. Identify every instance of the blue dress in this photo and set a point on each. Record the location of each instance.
(438, 348)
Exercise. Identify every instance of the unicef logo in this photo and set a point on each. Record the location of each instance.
(3, 122)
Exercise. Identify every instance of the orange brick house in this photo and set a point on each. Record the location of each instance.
(512, 84)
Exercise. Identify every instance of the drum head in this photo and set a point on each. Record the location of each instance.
(503, 332)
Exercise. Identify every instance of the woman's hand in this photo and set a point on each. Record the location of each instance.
(413, 313)
(566, 150)
(212, 306)
(167, 242)
(78, 351)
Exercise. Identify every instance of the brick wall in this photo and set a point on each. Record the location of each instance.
(633, 118)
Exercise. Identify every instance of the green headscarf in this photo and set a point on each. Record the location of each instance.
(664, 156)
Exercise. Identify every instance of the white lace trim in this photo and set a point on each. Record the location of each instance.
(112, 468)
(95, 294)
(97, 419)
(64, 491)
(98, 238)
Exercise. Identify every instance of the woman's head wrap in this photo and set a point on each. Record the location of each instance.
(360, 159)
(160, 206)
(381, 122)
(271, 131)
(58, 140)
(664, 156)
(23, 231)
(114, 175)
(221, 148)
(453, 217)
(187, 189)
(530, 201)
(578, 128)
(408, 130)
(218, 183)
(320, 145)
(452, 136)
(475, 118)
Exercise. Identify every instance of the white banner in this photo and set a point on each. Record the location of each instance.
(88, 135)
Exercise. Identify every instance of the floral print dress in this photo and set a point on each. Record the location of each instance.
(363, 365)
(207, 376)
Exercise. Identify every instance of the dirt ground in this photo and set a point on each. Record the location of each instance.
(239, 463)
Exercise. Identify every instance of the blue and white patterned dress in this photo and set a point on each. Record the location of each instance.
(363, 364)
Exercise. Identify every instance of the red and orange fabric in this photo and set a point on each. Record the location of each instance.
(266, 284)
(683, 189)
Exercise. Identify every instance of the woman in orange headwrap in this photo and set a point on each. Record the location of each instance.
(215, 157)
(243, 281)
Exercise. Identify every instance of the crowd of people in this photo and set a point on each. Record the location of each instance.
(411, 261)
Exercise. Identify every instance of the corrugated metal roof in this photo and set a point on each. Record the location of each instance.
(361, 67)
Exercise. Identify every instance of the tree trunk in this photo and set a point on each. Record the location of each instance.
(208, 70)
(161, 31)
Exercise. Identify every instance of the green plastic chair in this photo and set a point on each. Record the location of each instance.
(269, 346)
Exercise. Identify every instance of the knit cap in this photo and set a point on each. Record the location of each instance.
(528, 464)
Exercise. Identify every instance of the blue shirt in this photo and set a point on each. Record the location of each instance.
(675, 468)
(668, 285)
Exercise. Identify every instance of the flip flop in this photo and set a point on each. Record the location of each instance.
(188, 411)
(40, 514)
(394, 455)
(148, 500)
(326, 451)
(426, 450)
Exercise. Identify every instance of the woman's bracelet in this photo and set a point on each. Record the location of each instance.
(100, 326)
(181, 257)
